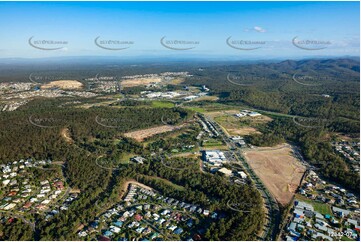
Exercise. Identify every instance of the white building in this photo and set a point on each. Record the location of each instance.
(10, 206)
(6, 169)
(244, 113)
(214, 157)
(225, 171)
(242, 175)
(6, 182)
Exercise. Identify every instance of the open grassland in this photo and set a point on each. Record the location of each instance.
(195, 109)
(207, 98)
(209, 142)
(165, 181)
(162, 104)
(238, 126)
(279, 170)
(176, 81)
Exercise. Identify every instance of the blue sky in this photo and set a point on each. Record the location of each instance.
(267, 27)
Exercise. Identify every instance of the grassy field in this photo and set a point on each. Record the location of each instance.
(126, 157)
(238, 126)
(211, 143)
(318, 206)
(169, 183)
(209, 107)
(176, 81)
(162, 104)
(219, 107)
(195, 109)
(207, 98)
(344, 238)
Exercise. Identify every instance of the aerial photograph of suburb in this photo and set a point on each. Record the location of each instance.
(180, 121)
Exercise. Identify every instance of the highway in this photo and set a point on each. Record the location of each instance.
(273, 216)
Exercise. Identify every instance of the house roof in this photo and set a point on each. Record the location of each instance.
(225, 171)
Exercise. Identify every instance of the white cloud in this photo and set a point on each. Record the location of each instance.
(256, 29)
(259, 29)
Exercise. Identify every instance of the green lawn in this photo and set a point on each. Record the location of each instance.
(318, 206)
(209, 107)
(165, 181)
(116, 141)
(212, 142)
(344, 238)
(125, 159)
(162, 104)
(195, 109)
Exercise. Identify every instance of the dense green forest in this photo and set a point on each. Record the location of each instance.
(331, 97)
(273, 86)
(98, 131)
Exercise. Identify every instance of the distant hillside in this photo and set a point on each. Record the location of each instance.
(292, 87)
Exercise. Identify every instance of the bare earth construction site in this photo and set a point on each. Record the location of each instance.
(279, 170)
(63, 84)
(141, 135)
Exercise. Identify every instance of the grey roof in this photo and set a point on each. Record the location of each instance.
(292, 226)
(344, 211)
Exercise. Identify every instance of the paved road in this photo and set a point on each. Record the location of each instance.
(59, 199)
(271, 225)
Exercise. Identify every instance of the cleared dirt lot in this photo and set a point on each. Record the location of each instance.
(238, 126)
(139, 81)
(243, 131)
(63, 84)
(140, 135)
(65, 133)
(279, 170)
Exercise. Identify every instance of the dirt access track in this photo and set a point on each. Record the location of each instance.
(278, 168)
